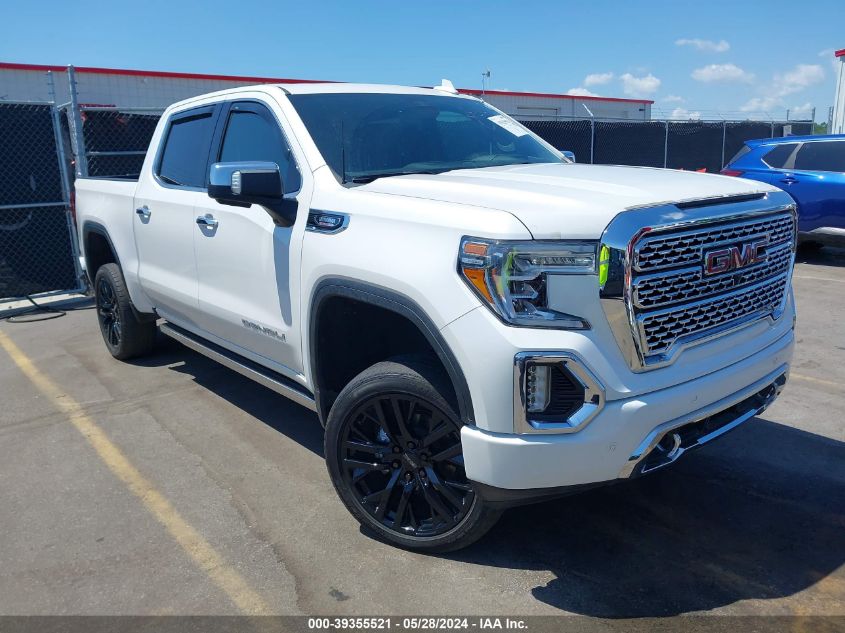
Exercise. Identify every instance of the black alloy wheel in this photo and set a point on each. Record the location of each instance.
(394, 454)
(126, 332)
(108, 313)
(402, 457)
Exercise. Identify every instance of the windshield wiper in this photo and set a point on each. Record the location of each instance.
(389, 174)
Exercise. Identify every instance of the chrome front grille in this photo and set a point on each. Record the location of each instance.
(655, 253)
(660, 329)
(695, 273)
(676, 286)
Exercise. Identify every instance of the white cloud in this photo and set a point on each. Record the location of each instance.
(580, 92)
(639, 86)
(673, 99)
(598, 79)
(784, 84)
(762, 104)
(705, 45)
(721, 72)
(804, 111)
(801, 77)
(683, 113)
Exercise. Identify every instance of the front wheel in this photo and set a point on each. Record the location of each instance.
(393, 450)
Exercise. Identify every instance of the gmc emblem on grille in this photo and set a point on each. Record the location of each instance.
(734, 257)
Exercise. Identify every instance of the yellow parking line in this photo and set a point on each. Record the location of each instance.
(195, 546)
(820, 381)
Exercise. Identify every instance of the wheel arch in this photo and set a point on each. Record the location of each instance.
(97, 247)
(402, 307)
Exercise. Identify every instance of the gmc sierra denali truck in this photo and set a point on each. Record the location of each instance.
(476, 321)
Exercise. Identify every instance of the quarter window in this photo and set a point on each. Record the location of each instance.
(185, 156)
(252, 134)
(821, 156)
(779, 157)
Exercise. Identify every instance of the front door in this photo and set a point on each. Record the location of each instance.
(248, 267)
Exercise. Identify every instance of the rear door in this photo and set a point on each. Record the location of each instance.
(816, 179)
(770, 166)
(248, 268)
(164, 214)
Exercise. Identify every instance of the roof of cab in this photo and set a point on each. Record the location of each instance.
(346, 88)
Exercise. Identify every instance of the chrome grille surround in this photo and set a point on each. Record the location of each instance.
(658, 299)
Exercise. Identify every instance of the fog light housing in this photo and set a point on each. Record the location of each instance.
(537, 387)
(554, 392)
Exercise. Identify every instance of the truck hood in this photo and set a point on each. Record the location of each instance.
(569, 201)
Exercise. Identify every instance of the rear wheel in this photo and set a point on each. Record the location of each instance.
(394, 454)
(125, 334)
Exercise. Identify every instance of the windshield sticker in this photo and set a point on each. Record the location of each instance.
(511, 126)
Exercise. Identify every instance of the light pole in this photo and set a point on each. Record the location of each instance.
(485, 77)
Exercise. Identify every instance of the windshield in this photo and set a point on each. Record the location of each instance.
(363, 136)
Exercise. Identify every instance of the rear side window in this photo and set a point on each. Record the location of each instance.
(252, 134)
(185, 155)
(821, 156)
(779, 156)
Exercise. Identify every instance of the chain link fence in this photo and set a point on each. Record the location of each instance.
(115, 141)
(38, 251)
(690, 145)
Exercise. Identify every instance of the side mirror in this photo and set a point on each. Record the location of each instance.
(247, 183)
(568, 154)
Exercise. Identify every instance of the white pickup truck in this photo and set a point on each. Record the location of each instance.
(476, 321)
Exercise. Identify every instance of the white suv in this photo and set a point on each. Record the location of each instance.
(477, 321)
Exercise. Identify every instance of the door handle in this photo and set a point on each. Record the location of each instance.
(143, 212)
(789, 180)
(207, 220)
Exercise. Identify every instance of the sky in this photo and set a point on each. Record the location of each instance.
(706, 59)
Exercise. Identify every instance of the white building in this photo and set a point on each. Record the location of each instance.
(156, 89)
(838, 121)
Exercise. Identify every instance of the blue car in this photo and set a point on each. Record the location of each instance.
(812, 170)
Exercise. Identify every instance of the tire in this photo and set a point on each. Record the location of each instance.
(809, 247)
(125, 333)
(393, 451)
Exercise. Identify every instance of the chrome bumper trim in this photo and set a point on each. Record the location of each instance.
(765, 390)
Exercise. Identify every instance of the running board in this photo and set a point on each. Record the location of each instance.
(245, 367)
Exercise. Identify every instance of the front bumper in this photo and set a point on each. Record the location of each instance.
(628, 436)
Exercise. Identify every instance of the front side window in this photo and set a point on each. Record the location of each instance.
(185, 155)
(821, 156)
(363, 136)
(252, 134)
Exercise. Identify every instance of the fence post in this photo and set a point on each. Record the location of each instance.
(60, 141)
(592, 140)
(772, 133)
(75, 122)
(724, 135)
(61, 156)
(666, 145)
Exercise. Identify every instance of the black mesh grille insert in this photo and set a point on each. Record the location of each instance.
(566, 396)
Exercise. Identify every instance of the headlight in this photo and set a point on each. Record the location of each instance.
(510, 277)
